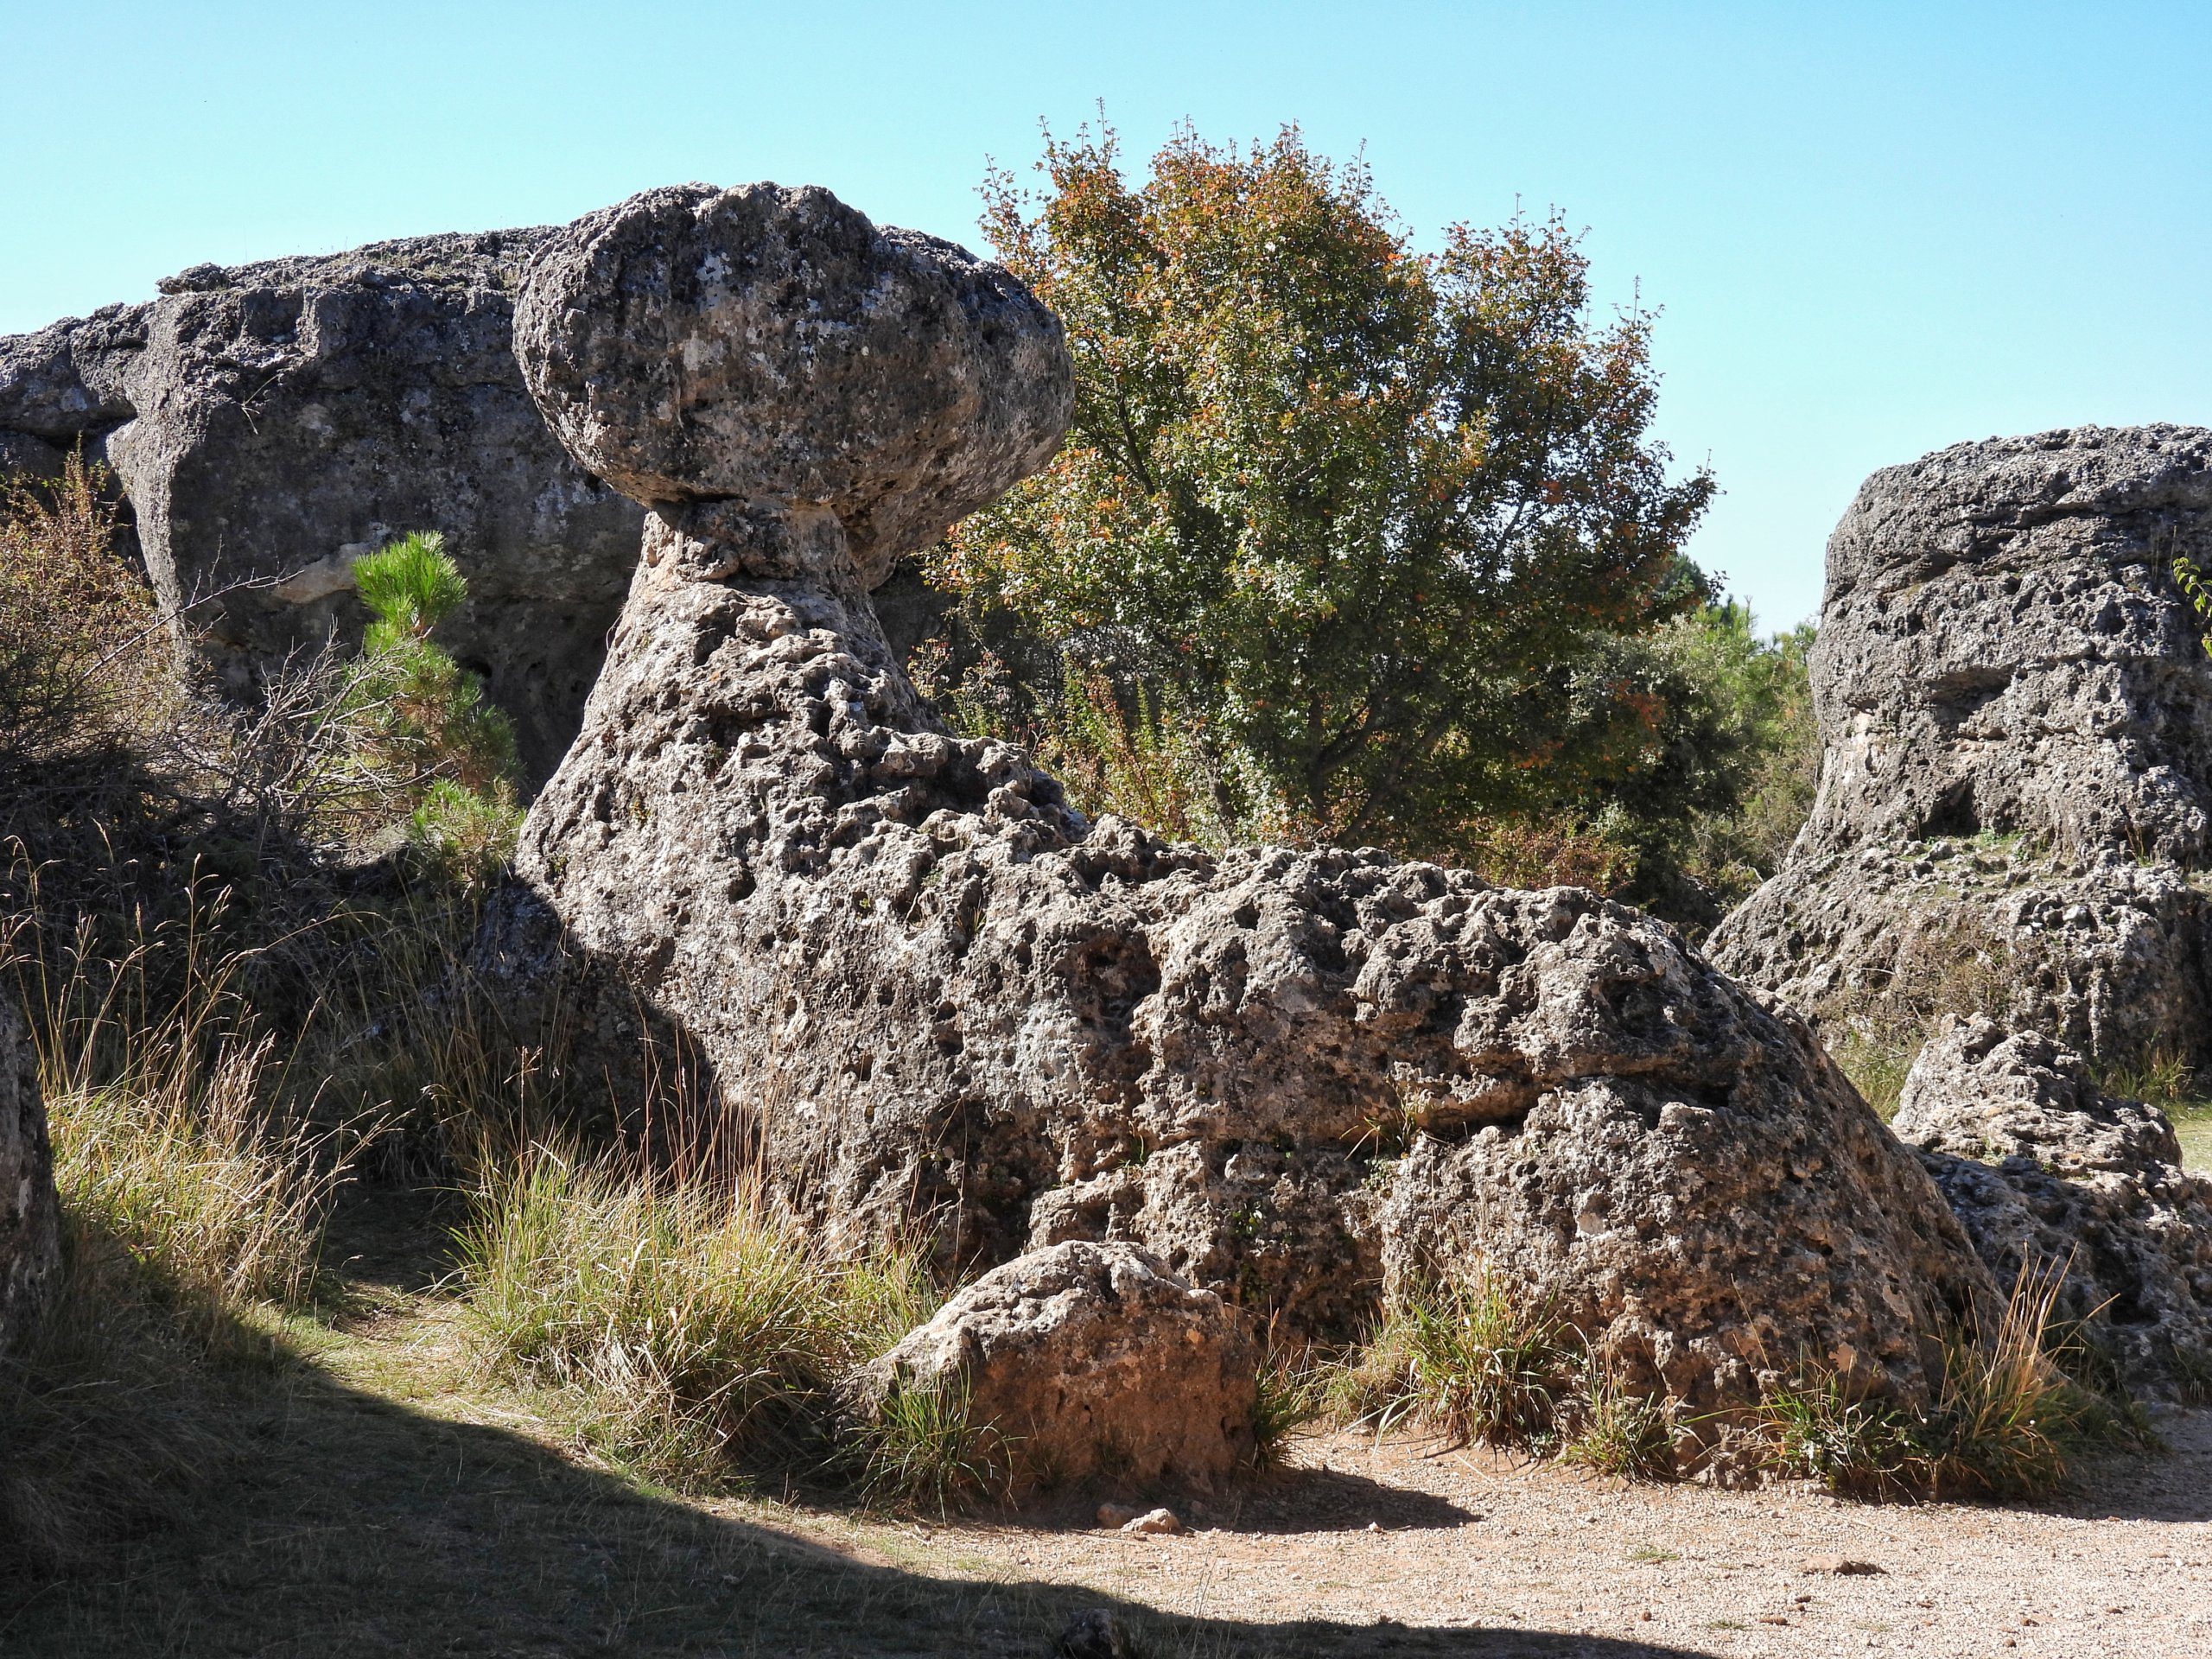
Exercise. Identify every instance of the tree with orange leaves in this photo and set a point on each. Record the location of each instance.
(1354, 511)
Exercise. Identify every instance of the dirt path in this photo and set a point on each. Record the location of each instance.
(394, 1505)
(1472, 1542)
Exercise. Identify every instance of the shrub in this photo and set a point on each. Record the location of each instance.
(1349, 510)
(420, 721)
(84, 661)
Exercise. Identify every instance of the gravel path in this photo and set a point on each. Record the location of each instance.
(1372, 1536)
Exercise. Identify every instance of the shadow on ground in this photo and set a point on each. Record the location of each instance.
(349, 1524)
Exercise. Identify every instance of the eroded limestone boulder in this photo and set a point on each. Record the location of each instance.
(2050, 1172)
(270, 423)
(1090, 1360)
(30, 1243)
(939, 995)
(2015, 806)
(912, 385)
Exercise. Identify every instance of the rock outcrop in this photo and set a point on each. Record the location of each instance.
(2051, 1174)
(940, 994)
(30, 1240)
(270, 423)
(2015, 805)
(1088, 1360)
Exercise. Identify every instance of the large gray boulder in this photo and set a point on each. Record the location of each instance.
(2015, 806)
(30, 1241)
(270, 423)
(1088, 1360)
(941, 998)
(2050, 1174)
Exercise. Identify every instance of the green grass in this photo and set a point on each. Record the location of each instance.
(1877, 1067)
(2168, 1082)
(1466, 1357)
(2193, 1123)
(705, 1333)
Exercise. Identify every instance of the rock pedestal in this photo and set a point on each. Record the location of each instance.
(941, 998)
(2015, 808)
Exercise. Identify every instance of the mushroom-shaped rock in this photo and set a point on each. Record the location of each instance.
(2047, 1173)
(770, 347)
(945, 1003)
(1089, 1359)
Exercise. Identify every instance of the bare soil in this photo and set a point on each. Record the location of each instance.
(391, 1503)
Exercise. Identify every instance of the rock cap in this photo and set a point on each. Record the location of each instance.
(697, 346)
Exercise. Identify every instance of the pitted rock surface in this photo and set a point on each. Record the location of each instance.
(2048, 1172)
(270, 423)
(695, 346)
(940, 994)
(30, 1242)
(2017, 721)
(1090, 1360)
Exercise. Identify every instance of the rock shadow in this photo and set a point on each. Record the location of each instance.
(344, 1523)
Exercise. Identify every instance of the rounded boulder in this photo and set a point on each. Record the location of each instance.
(1090, 1360)
(695, 346)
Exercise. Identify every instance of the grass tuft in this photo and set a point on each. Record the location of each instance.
(1464, 1357)
(1616, 1430)
(2007, 1420)
(703, 1330)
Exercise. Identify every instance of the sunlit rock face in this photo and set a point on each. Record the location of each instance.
(937, 997)
(2053, 1176)
(2015, 806)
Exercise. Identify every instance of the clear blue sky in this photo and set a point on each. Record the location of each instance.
(1873, 229)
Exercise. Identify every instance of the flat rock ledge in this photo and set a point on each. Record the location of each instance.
(939, 998)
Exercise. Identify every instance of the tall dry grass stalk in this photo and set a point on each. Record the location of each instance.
(2007, 1418)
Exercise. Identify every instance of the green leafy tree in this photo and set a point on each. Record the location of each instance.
(1354, 513)
(420, 721)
